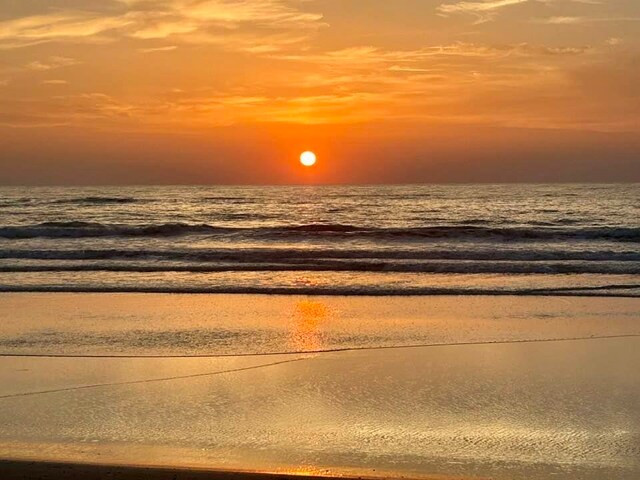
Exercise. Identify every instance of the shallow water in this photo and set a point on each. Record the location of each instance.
(191, 325)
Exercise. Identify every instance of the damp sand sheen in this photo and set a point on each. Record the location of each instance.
(424, 387)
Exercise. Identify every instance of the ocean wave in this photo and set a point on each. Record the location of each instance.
(16, 202)
(78, 229)
(93, 229)
(619, 291)
(230, 200)
(318, 228)
(319, 265)
(242, 216)
(517, 233)
(97, 200)
(256, 255)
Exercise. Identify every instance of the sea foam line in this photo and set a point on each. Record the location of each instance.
(613, 291)
(454, 267)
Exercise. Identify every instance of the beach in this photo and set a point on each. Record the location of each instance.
(549, 399)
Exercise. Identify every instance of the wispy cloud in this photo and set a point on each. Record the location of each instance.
(232, 13)
(167, 48)
(483, 11)
(55, 82)
(367, 56)
(51, 63)
(63, 26)
(583, 20)
(487, 10)
(187, 20)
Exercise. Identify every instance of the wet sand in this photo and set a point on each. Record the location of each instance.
(179, 325)
(565, 410)
(554, 408)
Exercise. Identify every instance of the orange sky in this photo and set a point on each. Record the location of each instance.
(231, 91)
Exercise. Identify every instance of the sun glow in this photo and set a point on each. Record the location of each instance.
(308, 159)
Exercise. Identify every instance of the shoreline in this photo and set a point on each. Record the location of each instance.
(318, 292)
(318, 352)
(202, 326)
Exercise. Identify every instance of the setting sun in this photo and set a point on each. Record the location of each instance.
(308, 159)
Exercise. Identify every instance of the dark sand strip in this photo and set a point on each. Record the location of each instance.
(36, 470)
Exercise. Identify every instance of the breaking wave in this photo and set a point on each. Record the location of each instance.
(97, 200)
(79, 229)
(616, 291)
(310, 254)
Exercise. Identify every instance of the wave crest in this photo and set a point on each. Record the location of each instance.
(93, 229)
(97, 200)
(77, 229)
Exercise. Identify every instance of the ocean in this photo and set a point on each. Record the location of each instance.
(326, 240)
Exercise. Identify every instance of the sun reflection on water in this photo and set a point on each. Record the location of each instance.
(308, 320)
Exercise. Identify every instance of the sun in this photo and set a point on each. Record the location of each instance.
(308, 159)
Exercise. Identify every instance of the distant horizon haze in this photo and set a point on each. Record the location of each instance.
(359, 154)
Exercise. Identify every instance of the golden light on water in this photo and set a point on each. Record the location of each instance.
(308, 159)
(308, 320)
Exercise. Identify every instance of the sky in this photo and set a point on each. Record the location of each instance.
(403, 91)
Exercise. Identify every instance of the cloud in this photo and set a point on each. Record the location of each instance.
(340, 86)
(493, 79)
(63, 26)
(271, 13)
(487, 10)
(483, 11)
(55, 82)
(364, 57)
(51, 63)
(583, 20)
(186, 20)
(168, 48)
(399, 68)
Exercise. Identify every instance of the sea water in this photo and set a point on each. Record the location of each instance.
(344, 240)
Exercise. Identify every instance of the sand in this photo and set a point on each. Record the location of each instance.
(564, 409)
